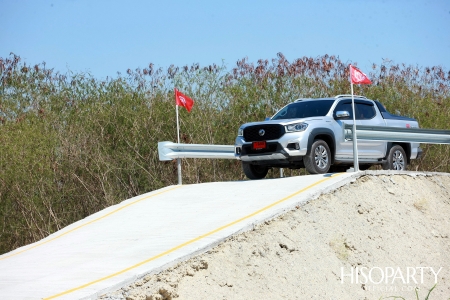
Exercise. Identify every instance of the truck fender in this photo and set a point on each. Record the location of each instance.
(406, 147)
(325, 134)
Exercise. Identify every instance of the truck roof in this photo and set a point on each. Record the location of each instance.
(332, 98)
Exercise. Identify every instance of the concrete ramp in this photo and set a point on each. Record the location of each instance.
(147, 233)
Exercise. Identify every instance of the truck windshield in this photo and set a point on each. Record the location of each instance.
(304, 109)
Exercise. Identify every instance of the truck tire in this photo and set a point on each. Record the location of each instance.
(396, 159)
(254, 171)
(318, 159)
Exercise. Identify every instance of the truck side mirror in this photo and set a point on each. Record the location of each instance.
(267, 119)
(342, 114)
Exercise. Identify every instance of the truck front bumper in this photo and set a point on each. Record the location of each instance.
(273, 151)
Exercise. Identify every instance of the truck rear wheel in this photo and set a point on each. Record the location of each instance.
(254, 171)
(396, 159)
(318, 159)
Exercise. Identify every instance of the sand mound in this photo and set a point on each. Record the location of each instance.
(380, 236)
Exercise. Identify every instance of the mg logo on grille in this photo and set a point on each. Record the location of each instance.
(262, 132)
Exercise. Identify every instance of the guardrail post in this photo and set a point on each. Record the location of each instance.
(179, 171)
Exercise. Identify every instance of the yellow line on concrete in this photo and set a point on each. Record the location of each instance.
(191, 241)
(90, 222)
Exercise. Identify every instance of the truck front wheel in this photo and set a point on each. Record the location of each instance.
(396, 159)
(318, 159)
(254, 171)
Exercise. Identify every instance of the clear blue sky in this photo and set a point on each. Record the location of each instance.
(104, 37)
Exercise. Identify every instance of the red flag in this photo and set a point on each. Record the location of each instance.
(183, 100)
(358, 77)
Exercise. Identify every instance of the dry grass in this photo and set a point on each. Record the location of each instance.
(72, 145)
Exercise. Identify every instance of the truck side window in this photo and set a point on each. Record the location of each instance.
(364, 111)
(344, 106)
(380, 106)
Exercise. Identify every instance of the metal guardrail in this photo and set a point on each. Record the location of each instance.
(398, 134)
(170, 151)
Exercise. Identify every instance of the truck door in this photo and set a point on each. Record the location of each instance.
(368, 114)
(344, 147)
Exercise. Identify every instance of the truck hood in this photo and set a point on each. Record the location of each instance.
(283, 121)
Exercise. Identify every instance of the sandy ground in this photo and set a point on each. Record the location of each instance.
(378, 237)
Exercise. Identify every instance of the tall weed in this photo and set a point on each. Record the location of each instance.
(72, 145)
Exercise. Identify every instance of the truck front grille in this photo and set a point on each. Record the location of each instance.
(271, 132)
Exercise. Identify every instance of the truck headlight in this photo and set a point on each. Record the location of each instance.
(296, 127)
(241, 132)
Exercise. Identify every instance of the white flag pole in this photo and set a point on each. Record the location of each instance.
(178, 138)
(355, 144)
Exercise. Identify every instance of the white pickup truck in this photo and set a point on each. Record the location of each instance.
(310, 133)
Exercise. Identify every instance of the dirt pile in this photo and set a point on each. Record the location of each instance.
(380, 236)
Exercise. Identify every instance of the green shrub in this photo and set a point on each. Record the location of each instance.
(72, 145)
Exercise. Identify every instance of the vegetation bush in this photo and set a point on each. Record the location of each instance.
(72, 145)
